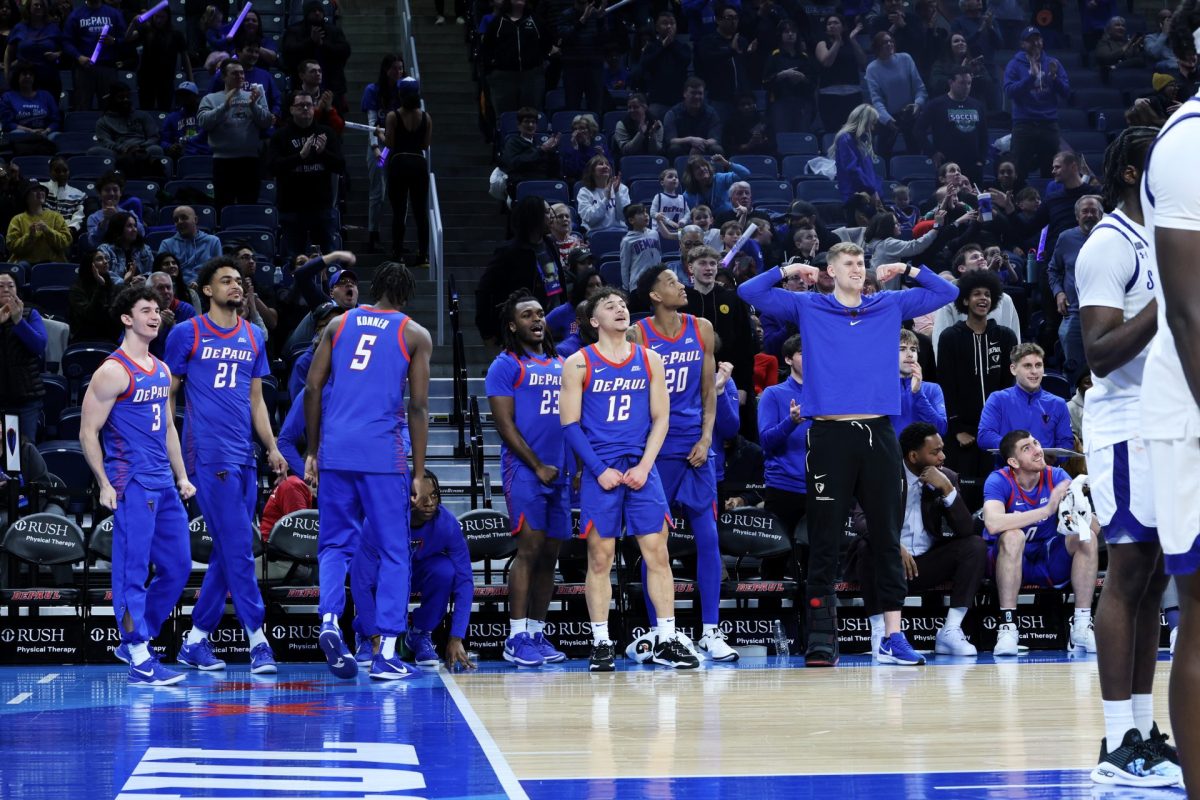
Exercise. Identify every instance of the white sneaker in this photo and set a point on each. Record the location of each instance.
(641, 649)
(1084, 637)
(715, 647)
(440, 20)
(953, 642)
(1006, 641)
(460, 20)
(1174, 636)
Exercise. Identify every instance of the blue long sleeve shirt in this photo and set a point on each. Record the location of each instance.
(784, 443)
(1035, 99)
(31, 332)
(191, 253)
(927, 405)
(39, 111)
(717, 197)
(292, 434)
(849, 353)
(443, 536)
(1061, 269)
(855, 172)
(894, 84)
(1043, 414)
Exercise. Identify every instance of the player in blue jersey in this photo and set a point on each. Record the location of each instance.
(615, 410)
(141, 476)
(354, 407)
(522, 387)
(686, 345)
(219, 360)
(1020, 505)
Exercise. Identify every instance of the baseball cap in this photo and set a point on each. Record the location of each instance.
(188, 86)
(579, 254)
(32, 185)
(326, 310)
(1029, 33)
(408, 86)
(341, 274)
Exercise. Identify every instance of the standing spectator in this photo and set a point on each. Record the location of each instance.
(513, 56)
(748, 131)
(29, 114)
(897, 92)
(855, 158)
(902, 25)
(524, 156)
(234, 119)
(692, 127)
(957, 123)
(640, 132)
(38, 234)
(325, 112)
(64, 198)
(884, 245)
(164, 50)
(89, 302)
(305, 158)
(129, 134)
(81, 31)
(527, 261)
(585, 144)
(190, 246)
(127, 252)
(315, 38)
(181, 134)
(602, 198)
(956, 55)
(704, 186)
(409, 132)
(378, 100)
(22, 345)
(723, 63)
(980, 30)
(842, 62)
(664, 64)
(38, 40)
(730, 318)
(1094, 15)
(251, 30)
(788, 76)
(1033, 82)
(110, 186)
(1061, 271)
(249, 55)
(582, 30)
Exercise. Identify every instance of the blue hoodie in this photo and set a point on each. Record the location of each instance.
(443, 536)
(1043, 414)
(1032, 100)
(927, 405)
(292, 435)
(784, 443)
(717, 198)
(855, 173)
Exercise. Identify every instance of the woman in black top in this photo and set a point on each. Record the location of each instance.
(163, 48)
(788, 76)
(409, 130)
(842, 62)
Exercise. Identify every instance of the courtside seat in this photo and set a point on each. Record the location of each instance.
(294, 538)
(490, 540)
(40, 541)
(753, 533)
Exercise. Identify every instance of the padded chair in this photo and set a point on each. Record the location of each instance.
(903, 168)
(606, 242)
(753, 533)
(818, 191)
(81, 360)
(33, 166)
(40, 541)
(194, 167)
(761, 167)
(52, 273)
(490, 540)
(294, 538)
(648, 167)
(797, 144)
(90, 167)
(770, 192)
(550, 191)
(250, 216)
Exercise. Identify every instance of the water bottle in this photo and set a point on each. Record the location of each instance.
(1101, 122)
(278, 275)
(1031, 268)
(782, 645)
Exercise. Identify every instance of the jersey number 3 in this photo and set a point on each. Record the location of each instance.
(362, 351)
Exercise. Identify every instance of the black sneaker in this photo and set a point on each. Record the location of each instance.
(1158, 745)
(603, 658)
(1134, 763)
(672, 653)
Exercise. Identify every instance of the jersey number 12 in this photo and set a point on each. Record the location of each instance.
(618, 407)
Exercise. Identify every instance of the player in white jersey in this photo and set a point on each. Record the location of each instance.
(1171, 381)
(1115, 276)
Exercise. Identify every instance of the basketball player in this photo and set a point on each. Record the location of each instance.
(522, 387)
(1171, 382)
(354, 407)
(615, 410)
(141, 478)
(850, 390)
(685, 344)
(1114, 275)
(220, 359)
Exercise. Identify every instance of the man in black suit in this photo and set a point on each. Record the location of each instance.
(938, 542)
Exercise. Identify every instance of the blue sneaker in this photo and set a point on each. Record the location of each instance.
(262, 660)
(521, 650)
(390, 669)
(199, 656)
(424, 654)
(895, 649)
(547, 651)
(151, 673)
(364, 653)
(122, 653)
(341, 662)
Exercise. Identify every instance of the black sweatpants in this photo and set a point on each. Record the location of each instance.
(848, 460)
(962, 561)
(789, 507)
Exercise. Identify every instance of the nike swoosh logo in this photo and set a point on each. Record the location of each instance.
(818, 477)
(149, 674)
(854, 322)
(339, 662)
(601, 369)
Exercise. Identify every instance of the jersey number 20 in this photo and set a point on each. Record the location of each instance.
(677, 379)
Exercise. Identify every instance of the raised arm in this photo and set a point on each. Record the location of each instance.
(762, 292)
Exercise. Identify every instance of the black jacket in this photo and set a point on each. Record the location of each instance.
(730, 318)
(970, 366)
(942, 522)
(305, 182)
(514, 266)
(332, 54)
(514, 46)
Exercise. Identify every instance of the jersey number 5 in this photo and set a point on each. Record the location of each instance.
(362, 351)
(618, 407)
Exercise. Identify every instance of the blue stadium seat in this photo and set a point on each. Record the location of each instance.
(90, 167)
(1095, 98)
(1073, 119)
(173, 188)
(907, 167)
(266, 192)
(561, 121)
(51, 301)
(263, 242)
(74, 143)
(818, 191)
(155, 238)
(634, 167)
(643, 191)
(550, 191)
(606, 242)
(1057, 384)
(761, 167)
(16, 270)
(770, 192)
(1086, 141)
(52, 273)
(793, 167)
(81, 122)
(796, 144)
(610, 273)
(53, 402)
(247, 216)
(921, 190)
(206, 216)
(194, 167)
(33, 166)
(146, 191)
(611, 118)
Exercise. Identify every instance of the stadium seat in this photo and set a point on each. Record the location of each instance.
(263, 242)
(560, 121)
(16, 270)
(201, 185)
(794, 167)
(146, 191)
(194, 167)
(65, 459)
(796, 144)
(643, 191)
(764, 167)
(81, 122)
(52, 273)
(39, 541)
(818, 191)
(770, 192)
(90, 167)
(249, 216)
(489, 540)
(55, 400)
(903, 168)
(81, 360)
(1056, 383)
(648, 167)
(610, 273)
(753, 533)
(294, 538)
(33, 166)
(606, 242)
(1086, 141)
(550, 191)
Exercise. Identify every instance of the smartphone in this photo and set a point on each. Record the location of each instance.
(985, 207)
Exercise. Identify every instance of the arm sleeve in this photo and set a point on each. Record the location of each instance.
(501, 376)
(849, 159)
(876, 94)
(930, 406)
(291, 434)
(990, 422)
(1056, 269)
(727, 421)
(1064, 437)
(212, 111)
(307, 279)
(918, 85)
(626, 262)
(1017, 81)
(1105, 267)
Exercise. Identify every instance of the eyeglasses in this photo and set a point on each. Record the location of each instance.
(302, 105)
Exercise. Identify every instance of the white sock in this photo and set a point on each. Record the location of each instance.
(954, 618)
(878, 629)
(516, 626)
(599, 632)
(196, 636)
(1083, 616)
(387, 647)
(1118, 719)
(710, 630)
(665, 628)
(256, 638)
(330, 618)
(1143, 713)
(138, 653)
(535, 626)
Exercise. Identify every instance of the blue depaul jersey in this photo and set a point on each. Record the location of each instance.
(683, 360)
(616, 403)
(362, 417)
(1002, 485)
(135, 434)
(533, 383)
(218, 366)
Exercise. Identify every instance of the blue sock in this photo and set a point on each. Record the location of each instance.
(708, 563)
(1172, 617)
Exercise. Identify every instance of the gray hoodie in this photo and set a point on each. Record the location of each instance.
(234, 128)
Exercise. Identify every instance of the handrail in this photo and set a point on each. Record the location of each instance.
(458, 411)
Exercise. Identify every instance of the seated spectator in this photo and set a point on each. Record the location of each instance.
(524, 156)
(254, 307)
(1020, 517)
(320, 317)
(789, 76)
(29, 114)
(38, 234)
(970, 258)
(884, 245)
(22, 348)
(562, 320)
(741, 206)
(692, 127)
(639, 133)
(704, 186)
(325, 112)
(129, 135)
(1026, 406)
(1117, 49)
(938, 543)
(181, 133)
(565, 239)
(663, 67)
(855, 157)
(126, 249)
(168, 263)
(251, 30)
(906, 212)
(585, 144)
(164, 51)
(171, 309)
(527, 261)
(315, 38)
(842, 62)
(602, 198)
(920, 400)
(747, 131)
(190, 245)
(804, 245)
(89, 302)
(957, 124)
(319, 280)
(63, 197)
(783, 433)
(37, 35)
